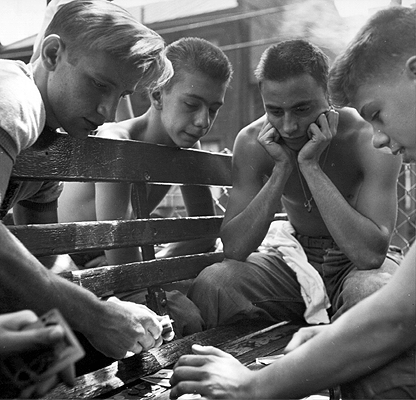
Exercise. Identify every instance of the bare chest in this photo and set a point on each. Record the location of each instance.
(305, 211)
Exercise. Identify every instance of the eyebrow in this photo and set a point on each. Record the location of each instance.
(300, 104)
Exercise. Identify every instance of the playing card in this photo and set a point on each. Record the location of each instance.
(160, 378)
(37, 365)
(268, 359)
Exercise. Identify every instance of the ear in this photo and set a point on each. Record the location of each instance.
(411, 67)
(156, 99)
(52, 47)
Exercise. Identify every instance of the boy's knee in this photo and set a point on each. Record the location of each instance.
(215, 276)
(364, 283)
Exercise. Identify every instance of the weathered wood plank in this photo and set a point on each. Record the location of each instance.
(120, 278)
(61, 157)
(130, 370)
(73, 237)
(247, 348)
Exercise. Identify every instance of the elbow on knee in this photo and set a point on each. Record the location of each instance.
(234, 254)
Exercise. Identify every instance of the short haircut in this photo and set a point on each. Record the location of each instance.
(97, 25)
(387, 38)
(194, 54)
(292, 58)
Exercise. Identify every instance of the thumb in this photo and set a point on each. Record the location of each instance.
(18, 320)
(31, 339)
(302, 336)
(294, 343)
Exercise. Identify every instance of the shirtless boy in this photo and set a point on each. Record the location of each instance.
(320, 163)
(85, 67)
(377, 76)
(181, 113)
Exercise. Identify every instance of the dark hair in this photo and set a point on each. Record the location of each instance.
(292, 58)
(91, 25)
(195, 54)
(386, 38)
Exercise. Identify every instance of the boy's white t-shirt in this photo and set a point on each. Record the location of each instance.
(22, 112)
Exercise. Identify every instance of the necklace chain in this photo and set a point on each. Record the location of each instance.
(308, 202)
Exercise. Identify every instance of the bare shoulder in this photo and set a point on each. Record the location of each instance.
(246, 139)
(354, 134)
(352, 125)
(355, 137)
(120, 130)
(248, 151)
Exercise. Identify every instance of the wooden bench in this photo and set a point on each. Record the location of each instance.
(59, 157)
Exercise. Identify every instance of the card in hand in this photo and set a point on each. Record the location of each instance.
(39, 364)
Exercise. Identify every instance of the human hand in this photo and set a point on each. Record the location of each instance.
(269, 138)
(320, 134)
(303, 335)
(212, 373)
(16, 340)
(126, 327)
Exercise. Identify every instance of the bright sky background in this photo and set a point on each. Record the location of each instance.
(22, 18)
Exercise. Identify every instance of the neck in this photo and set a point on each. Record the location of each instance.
(156, 131)
(40, 76)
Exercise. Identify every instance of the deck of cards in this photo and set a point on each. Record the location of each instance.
(34, 366)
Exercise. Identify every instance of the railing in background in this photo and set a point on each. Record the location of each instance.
(405, 233)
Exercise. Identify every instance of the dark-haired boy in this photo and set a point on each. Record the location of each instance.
(320, 163)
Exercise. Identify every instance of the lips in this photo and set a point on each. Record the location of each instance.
(194, 136)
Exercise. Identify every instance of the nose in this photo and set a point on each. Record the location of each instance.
(289, 123)
(202, 118)
(108, 107)
(380, 139)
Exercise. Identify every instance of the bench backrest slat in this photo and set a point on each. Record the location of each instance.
(75, 237)
(104, 281)
(61, 158)
(98, 159)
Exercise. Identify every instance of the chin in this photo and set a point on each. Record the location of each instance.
(295, 146)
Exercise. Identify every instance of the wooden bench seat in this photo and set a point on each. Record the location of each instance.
(61, 158)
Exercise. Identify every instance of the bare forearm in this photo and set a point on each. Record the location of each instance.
(242, 234)
(366, 337)
(26, 283)
(362, 241)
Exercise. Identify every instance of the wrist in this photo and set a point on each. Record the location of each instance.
(308, 165)
(284, 168)
(253, 386)
(95, 318)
